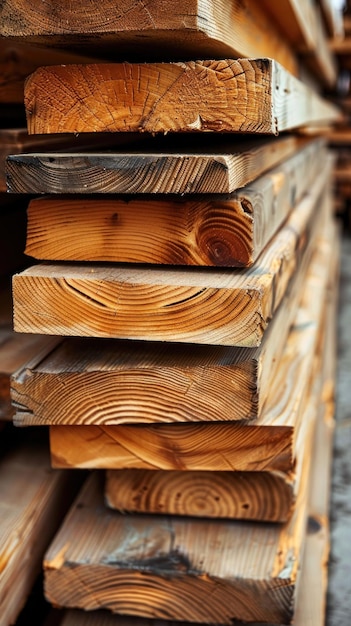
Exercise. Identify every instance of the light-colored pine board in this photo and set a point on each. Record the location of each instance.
(267, 445)
(227, 308)
(159, 30)
(219, 166)
(243, 95)
(33, 501)
(228, 231)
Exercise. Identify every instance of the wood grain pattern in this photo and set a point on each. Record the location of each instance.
(243, 95)
(267, 445)
(211, 447)
(170, 382)
(260, 496)
(153, 30)
(313, 571)
(226, 231)
(33, 500)
(105, 301)
(219, 166)
(168, 568)
(17, 140)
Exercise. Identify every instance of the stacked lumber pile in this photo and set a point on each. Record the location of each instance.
(187, 285)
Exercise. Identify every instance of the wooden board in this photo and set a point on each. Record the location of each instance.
(243, 95)
(218, 166)
(169, 383)
(167, 304)
(267, 445)
(15, 140)
(33, 501)
(159, 30)
(216, 231)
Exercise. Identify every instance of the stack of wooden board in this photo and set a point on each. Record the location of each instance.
(193, 275)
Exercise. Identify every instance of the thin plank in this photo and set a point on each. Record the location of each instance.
(228, 231)
(159, 30)
(220, 166)
(243, 95)
(158, 304)
(33, 501)
(267, 445)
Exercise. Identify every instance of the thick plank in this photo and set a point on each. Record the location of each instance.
(33, 501)
(267, 445)
(219, 166)
(158, 30)
(243, 95)
(167, 304)
(223, 231)
(302, 24)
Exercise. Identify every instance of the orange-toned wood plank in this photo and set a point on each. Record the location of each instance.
(159, 30)
(242, 95)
